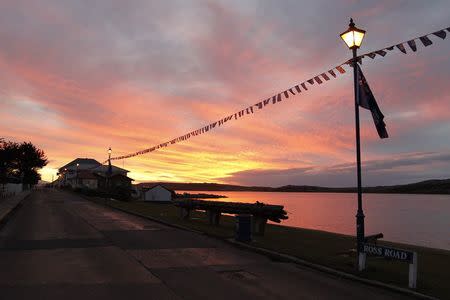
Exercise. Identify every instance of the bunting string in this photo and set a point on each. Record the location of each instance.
(296, 90)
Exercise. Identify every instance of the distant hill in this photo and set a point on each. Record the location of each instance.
(424, 187)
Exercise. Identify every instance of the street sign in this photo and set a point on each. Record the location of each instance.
(395, 254)
(388, 252)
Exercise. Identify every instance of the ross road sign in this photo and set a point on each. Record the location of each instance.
(388, 252)
(396, 254)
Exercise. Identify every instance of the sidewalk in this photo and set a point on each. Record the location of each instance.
(8, 205)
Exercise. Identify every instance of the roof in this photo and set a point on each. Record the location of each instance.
(114, 169)
(81, 161)
(150, 187)
(97, 166)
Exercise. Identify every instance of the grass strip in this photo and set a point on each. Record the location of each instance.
(320, 247)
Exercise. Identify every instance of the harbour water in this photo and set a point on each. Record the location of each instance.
(412, 219)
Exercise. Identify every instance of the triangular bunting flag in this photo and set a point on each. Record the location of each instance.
(325, 76)
(298, 89)
(266, 101)
(425, 41)
(311, 81)
(390, 48)
(371, 55)
(286, 94)
(401, 48)
(259, 105)
(332, 73)
(340, 69)
(381, 52)
(317, 79)
(291, 91)
(304, 86)
(440, 33)
(412, 45)
(276, 98)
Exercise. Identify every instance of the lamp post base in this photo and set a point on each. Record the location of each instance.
(360, 240)
(361, 261)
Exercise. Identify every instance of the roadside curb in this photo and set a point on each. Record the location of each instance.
(5, 218)
(299, 261)
(284, 257)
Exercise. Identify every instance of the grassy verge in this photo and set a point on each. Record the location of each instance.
(328, 249)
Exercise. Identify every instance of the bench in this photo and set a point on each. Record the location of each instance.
(372, 239)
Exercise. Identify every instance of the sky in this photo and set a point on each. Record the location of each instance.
(78, 77)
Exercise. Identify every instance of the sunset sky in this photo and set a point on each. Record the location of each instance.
(77, 77)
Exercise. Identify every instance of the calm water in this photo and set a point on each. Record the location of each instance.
(412, 219)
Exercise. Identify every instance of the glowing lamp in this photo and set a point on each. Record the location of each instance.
(353, 36)
(109, 150)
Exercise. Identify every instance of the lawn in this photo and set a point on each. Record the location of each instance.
(325, 248)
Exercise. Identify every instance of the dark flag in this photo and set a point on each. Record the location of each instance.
(367, 101)
(412, 45)
(440, 33)
(401, 48)
(425, 41)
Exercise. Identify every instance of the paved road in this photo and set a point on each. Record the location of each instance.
(60, 246)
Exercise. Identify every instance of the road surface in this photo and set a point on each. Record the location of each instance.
(61, 246)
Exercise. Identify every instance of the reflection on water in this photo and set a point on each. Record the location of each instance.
(413, 219)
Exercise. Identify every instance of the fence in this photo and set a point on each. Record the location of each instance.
(10, 189)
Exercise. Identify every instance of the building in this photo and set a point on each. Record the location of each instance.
(89, 173)
(157, 193)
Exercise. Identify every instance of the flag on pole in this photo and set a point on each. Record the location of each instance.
(367, 101)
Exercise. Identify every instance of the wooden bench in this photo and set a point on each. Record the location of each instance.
(214, 209)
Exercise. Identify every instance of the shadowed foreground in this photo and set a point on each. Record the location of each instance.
(59, 245)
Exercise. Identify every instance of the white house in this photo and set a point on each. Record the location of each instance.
(89, 173)
(157, 193)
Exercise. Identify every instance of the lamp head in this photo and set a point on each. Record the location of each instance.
(109, 150)
(353, 36)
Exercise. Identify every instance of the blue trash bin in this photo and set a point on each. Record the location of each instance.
(243, 228)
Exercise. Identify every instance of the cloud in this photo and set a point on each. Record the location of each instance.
(404, 168)
(79, 76)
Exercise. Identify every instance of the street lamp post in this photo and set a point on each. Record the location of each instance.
(76, 179)
(353, 38)
(109, 167)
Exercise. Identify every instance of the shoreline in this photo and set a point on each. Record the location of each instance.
(433, 186)
(316, 192)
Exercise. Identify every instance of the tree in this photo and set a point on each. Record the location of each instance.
(21, 162)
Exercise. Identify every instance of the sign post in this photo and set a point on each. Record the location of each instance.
(413, 272)
(396, 254)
